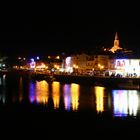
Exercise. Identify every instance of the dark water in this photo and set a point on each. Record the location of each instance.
(42, 104)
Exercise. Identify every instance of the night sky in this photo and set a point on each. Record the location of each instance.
(68, 30)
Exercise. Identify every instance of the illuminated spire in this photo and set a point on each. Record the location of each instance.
(116, 44)
(116, 36)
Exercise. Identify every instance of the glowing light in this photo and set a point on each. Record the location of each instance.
(133, 102)
(57, 57)
(32, 96)
(74, 65)
(99, 92)
(67, 96)
(116, 44)
(68, 62)
(41, 66)
(126, 102)
(75, 96)
(42, 93)
(32, 65)
(120, 103)
(37, 58)
(99, 65)
(55, 94)
(32, 59)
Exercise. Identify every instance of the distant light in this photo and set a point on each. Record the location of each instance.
(57, 57)
(3, 65)
(37, 57)
(32, 59)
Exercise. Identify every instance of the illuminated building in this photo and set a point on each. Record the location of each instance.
(128, 67)
(116, 44)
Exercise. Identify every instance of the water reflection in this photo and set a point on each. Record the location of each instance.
(32, 92)
(72, 97)
(56, 94)
(75, 96)
(20, 89)
(67, 96)
(42, 93)
(125, 102)
(3, 89)
(99, 92)
(38, 92)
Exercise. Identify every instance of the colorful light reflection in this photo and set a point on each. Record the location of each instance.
(32, 91)
(125, 102)
(67, 96)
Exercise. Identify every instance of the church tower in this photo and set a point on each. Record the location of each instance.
(116, 44)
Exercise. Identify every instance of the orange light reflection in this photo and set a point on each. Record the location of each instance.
(99, 92)
(56, 94)
(75, 96)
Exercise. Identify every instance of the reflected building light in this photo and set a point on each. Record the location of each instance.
(56, 94)
(3, 92)
(67, 96)
(133, 102)
(99, 92)
(32, 91)
(75, 96)
(20, 89)
(0, 81)
(3, 98)
(4, 79)
(120, 103)
(42, 93)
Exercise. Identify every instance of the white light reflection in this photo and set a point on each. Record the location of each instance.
(133, 102)
(125, 102)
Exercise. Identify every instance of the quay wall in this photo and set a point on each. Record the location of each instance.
(82, 79)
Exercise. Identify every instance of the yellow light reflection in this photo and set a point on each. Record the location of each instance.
(42, 93)
(75, 96)
(99, 92)
(56, 94)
